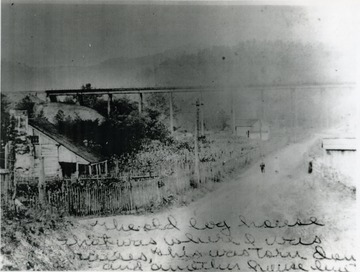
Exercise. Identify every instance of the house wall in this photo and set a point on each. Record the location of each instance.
(242, 131)
(47, 148)
(256, 135)
(264, 127)
(345, 161)
(28, 164)
(65, 155)
(51, 160)
(255, 131)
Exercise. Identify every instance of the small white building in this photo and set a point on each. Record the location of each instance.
(252, 128)
(339, 144)
(341, 154)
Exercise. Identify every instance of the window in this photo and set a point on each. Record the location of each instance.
(34, 139)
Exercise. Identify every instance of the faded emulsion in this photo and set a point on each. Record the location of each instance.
(178, 136)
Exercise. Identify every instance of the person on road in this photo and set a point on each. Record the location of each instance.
(310, 168)
(262, 167)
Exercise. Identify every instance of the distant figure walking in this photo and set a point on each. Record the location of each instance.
(262, 167)
(310, 168)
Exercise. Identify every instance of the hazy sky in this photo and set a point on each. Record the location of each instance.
(83, 34)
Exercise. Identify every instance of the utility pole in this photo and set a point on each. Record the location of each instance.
(197, 166)
(140, 102)
(171, 113)
(109, 101)
(6, 155)
(198, 117)
(41, 184)
(202, 115)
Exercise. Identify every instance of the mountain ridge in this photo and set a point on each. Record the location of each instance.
(247, 63)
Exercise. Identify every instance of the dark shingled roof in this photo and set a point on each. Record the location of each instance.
(246, 122)
(50, 130)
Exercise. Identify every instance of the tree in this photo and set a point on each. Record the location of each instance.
(59, 117)
(160, 102)
(123, 133)
(5, 119)
(155, 129)
(27, 104)
(69, 100)
(7, 131)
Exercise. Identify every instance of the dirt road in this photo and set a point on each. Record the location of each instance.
(308, 222)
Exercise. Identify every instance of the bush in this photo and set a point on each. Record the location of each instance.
(27, 104)
(125, 132)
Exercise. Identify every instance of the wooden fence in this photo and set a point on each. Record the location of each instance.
(115, 195)
(106, 196)
(130, 192)
(5, 186)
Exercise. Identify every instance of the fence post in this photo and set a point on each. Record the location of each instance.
(41, 184)
(5, 186)
(130, 194)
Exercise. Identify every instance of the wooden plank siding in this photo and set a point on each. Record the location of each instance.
(51, 162)
(53, 153)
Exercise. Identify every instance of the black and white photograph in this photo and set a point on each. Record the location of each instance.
(179, 135)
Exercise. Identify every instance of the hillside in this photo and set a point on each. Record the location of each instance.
(247, 63)
(51, 109)
(72, 111)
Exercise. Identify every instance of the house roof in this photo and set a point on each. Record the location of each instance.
(339, 144)
(246, 122)
(51, 131)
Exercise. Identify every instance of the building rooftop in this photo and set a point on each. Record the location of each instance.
(51, 131)
(340, 144)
